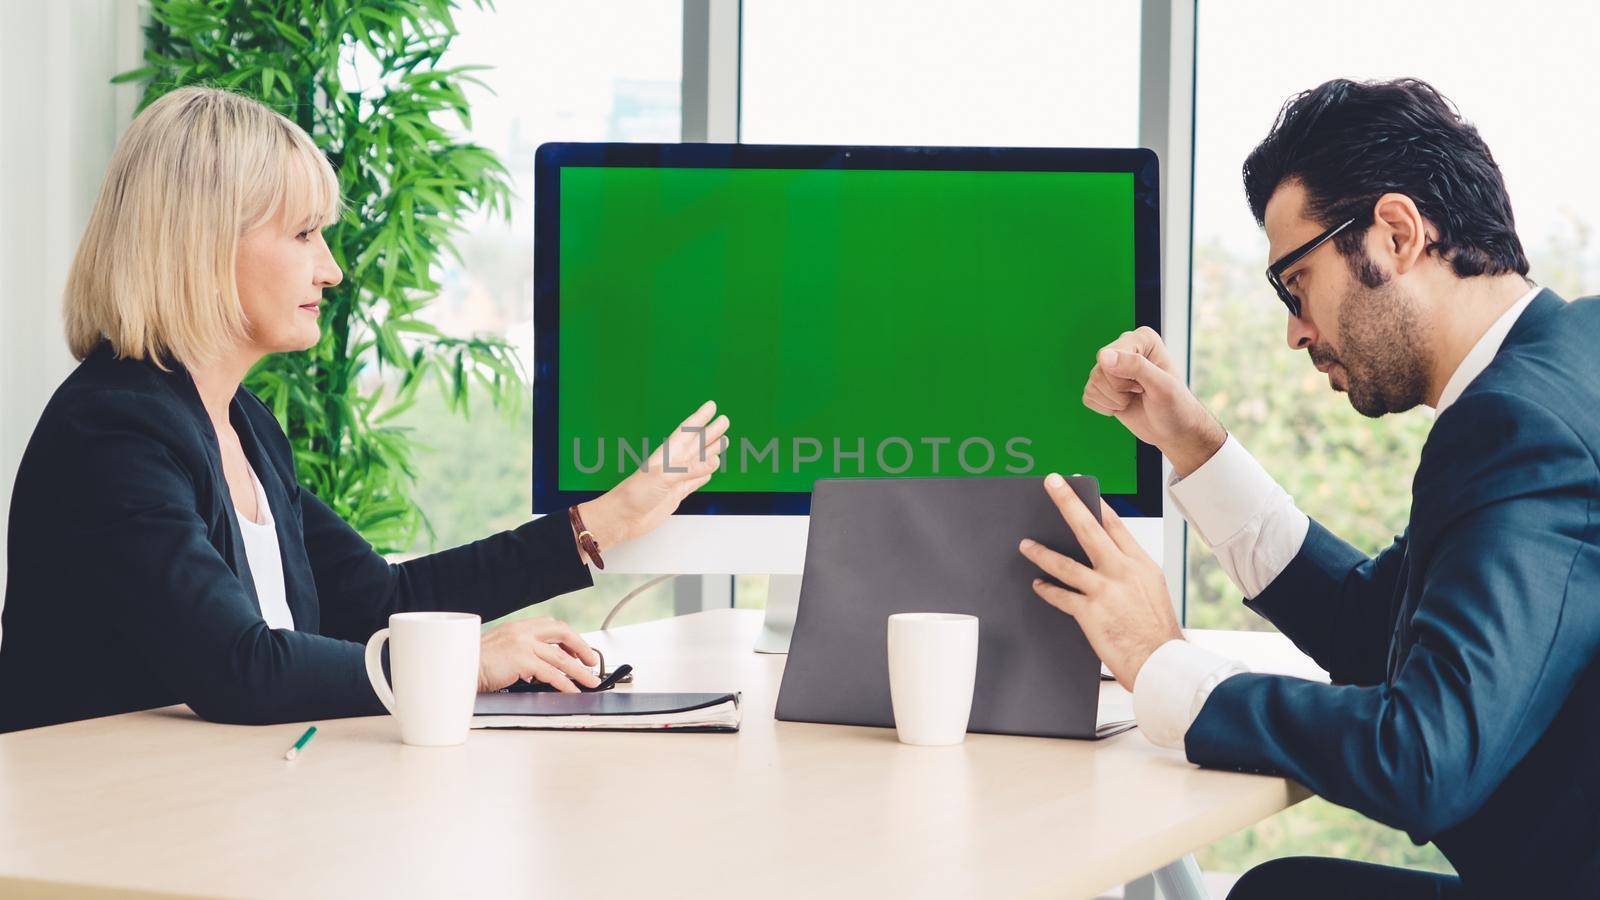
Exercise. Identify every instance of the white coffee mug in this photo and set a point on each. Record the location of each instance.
(433, 657)
(933, 662)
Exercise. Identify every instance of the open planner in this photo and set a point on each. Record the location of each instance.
(608, 711)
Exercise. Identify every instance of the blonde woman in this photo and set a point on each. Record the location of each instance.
(161, 549)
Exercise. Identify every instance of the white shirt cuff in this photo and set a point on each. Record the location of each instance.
(1248, 520)
(1173, 686)
(1225, 493)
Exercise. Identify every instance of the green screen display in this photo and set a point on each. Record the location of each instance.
(849, 322)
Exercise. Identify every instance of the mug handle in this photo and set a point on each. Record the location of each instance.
(380, 684)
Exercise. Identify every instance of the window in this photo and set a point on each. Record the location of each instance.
(940, 72)
(1354, 474)
(559, 70)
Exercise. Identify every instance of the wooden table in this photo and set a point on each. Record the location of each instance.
(162, 802)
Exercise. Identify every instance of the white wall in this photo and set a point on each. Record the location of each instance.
(59, 121)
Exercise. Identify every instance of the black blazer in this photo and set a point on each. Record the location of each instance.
(129, 588)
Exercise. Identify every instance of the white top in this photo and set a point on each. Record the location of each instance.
(266, 560)
(1254, 528)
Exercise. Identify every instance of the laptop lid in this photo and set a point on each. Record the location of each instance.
(880, 546)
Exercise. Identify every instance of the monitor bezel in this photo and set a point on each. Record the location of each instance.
(550, 158)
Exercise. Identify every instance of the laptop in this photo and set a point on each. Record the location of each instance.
(879, 546)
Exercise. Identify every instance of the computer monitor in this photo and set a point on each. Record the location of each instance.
(856, 311)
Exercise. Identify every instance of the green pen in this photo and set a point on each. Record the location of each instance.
(298, 745)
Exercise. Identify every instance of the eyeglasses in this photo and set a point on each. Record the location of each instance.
(1276, 270)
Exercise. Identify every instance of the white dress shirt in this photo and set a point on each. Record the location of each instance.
(266, 560)
(1254, 528)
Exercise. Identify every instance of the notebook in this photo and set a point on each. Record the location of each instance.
(608, 711)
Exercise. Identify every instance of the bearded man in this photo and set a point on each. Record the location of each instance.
(1465, 698)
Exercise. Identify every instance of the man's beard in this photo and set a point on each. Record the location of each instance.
(1385, 349)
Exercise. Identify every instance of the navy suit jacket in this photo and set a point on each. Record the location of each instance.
(129, 588)
(1465, 707)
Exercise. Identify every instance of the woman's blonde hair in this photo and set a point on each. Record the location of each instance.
(154, 273)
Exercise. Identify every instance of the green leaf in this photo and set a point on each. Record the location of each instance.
(135, 75)
(290, 34)
(416, 326)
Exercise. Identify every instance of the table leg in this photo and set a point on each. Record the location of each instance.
(1180, 880)
(1141, 888)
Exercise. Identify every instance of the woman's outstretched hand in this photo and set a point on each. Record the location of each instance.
(685, 460)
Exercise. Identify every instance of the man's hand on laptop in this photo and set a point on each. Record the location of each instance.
(1121, 603)
(1135, 380)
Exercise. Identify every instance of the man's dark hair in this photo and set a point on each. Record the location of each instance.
(1350, 142)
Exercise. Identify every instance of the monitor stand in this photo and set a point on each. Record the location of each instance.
(783, 600)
